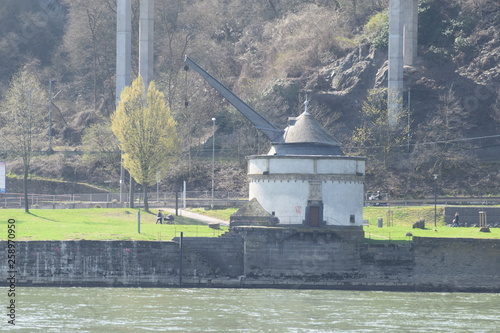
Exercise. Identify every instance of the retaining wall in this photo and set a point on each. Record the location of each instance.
(113, 263)
(470, 215)
(457, 264)
(223, 256)
(264, 257)
(15, 185)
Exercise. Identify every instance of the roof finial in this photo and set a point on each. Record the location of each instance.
(306, 104)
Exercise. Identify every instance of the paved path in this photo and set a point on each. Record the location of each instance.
(195, 216)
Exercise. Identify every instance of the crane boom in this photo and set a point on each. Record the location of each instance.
(272, 132)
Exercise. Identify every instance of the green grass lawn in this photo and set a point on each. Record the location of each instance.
(400, 218)
(402, 221)
(121, 224)
(99, 224)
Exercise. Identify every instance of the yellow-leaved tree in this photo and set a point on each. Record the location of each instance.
(147, 133)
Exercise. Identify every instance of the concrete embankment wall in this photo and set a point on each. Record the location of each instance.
(263, 257)
(223, 256)
(457, 264)
(87, 263)
(325, 258)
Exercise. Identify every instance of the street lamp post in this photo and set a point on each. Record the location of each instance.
(158, 187)
(435, 199)
(50, 116)
(213, 160)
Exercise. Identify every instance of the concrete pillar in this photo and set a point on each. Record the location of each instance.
(123, 45)
(410, 31)
(395, 79)
(146, 35)
(123, 58)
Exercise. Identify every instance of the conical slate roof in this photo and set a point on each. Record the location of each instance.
(305, 136)
(306, 129)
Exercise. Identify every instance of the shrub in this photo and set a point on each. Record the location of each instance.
(463, 44)
(377, 29)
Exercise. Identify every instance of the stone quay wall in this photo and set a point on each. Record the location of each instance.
(263, 258)
(457, 264)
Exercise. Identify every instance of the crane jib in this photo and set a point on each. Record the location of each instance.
(267, 128)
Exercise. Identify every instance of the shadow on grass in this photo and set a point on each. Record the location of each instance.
(41, 217)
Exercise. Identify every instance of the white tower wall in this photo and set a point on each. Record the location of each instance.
(346, 199)
(290, 185)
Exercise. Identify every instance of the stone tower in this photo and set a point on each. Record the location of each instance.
(306, 179)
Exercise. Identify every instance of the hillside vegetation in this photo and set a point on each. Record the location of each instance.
(271, 53)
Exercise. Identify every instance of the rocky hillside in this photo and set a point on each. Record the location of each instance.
(272, 54)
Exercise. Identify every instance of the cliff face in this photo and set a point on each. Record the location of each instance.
(343, 85)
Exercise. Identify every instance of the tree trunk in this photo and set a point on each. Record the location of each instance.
(132, 190)
(25, 189)
(146, 204)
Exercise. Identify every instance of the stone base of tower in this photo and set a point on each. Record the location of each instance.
(325, 234)
(298, 251)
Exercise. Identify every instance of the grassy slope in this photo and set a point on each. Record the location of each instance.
(98, 224)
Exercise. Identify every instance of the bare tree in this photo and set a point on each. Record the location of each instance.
(90, 42)
(101, 148)
(375, 138)
(441, 148)
(24, 117)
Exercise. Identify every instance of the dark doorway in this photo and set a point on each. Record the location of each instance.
(314, 220)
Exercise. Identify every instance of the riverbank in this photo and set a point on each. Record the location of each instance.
(250, 257)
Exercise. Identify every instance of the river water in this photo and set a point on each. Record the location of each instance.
(249, 310)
